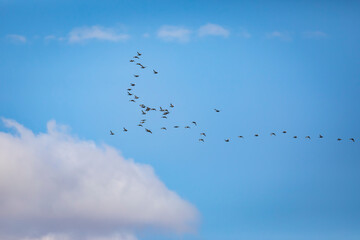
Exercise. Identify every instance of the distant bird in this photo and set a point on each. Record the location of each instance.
(339, 139)
(136, 57)
(132, 60)
(136, 97)
(129, 93)
(138, 64)
(171, 105)
(153, 109)
(194, 123)
(163, 128)
(187, 127)
(139, 54)
(176, 126)
(272, 134)
(164, 117)
(143, 113)
(203, 134)
(241, 137)
(216, 110)
(147, 109)
(132, 100)
(201, 140)
(256, 135)
(135, 75)
(284, 131)
(111, 133)
(143, 67)
(155, 72)
(147, 130)
(352, 139)
(140, 125)
(161, 110)
(294, 136)
(227, 140)
(143, 120)
(125, 130)
(321, 136)
(308, 137)
(142, 106)
(129, 89)
(132, 84)
(166, 113)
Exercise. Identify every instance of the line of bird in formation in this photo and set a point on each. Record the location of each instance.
(165, 112)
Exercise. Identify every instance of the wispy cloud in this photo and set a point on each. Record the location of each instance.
(96, 32)
(174, 33)
(285, 36)
(16, 38)
(57, 185)
(211, 29)
(314, 34)
(244, 34)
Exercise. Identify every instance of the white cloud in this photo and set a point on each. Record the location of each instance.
(16, 38)
(213, 30)
(96, 32)
(55, 185)
(174, 33)
(50, 37)
(314, 34)
(279, 35)
(245, 34)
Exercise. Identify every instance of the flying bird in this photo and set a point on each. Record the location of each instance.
(308, 137)
(132, 84)
(143, 67)
(164, 117)
(241, 137)
(272, 134)
(143, 113)
(129, 93)
(111, 133)
(294, 136)
(147, 109)
(203, 134)
(140, 125)
(139, 54)
(129, 89)
(125, 130)
(132, 100)
(201, 140)
(216, 110)
(161, 110)
(132, 60)
(321, 136)
(136, 57)
(256, 135)
(155, 72)
(194, 123)
(135, 75)
(171, 105)
(176, 126)
(339, 139)
(147, 130)
(163, 128)
(352, 139)
(227, 140)
(136, 97)
(284, 131)
(187, 127)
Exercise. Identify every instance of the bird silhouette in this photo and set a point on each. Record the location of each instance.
(227, 140)
(132, 100)
(321, 136)
(163, 128)
(171, 105)
(187, 126)
(194, 123)
(339, 139)
(124, 129)
(294, 136)
(164, 117)
(139, 54)
(129, 93)
(147, 130)
(140, 125)
(143, 113)
(161, 110)
(216, 110)
(203, 134)
(256, 135)
(176, 126)
(132, 60)
(240, 137)
(201, 140)
(136, 57)
(308, 137)
(284, 132)
(155, 72)
(272, 134)
(132, 84)
(111, 133)
(352, 139)
(136, 97)
(129, 89)
(135, 75)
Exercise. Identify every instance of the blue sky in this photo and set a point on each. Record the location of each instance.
(268, 65)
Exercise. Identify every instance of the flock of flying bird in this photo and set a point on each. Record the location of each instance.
(164, 111)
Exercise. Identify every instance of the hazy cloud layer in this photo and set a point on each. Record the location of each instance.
(96, 32)
(314, 34)
(174, 33)
(213, 30)
(54, 186)
(279, 35)
(16, 38)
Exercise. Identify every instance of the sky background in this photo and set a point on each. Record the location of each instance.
(268, 66)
